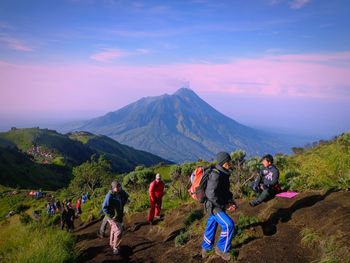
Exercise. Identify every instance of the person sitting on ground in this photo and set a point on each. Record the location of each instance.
(219, 201)
(266, 185)
(113, 208)
(156, 192)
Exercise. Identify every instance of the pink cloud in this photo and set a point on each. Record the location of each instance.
(14, 43)
(296, 4)
(80, 87)
(109, 55)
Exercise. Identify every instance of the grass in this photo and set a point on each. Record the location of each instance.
(324, 167)
(193, 216)
(309, 237)
(242, 233)
(182, 238)
(34, 243)
(333, 248)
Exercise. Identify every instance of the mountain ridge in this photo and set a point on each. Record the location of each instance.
(180, 127)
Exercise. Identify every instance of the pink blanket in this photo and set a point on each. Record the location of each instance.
(287, 194)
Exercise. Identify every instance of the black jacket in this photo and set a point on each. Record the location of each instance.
(218, 190)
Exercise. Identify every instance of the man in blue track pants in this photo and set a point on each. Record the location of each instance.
(219, 200)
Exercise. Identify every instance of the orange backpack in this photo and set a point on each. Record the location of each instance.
(199, 179)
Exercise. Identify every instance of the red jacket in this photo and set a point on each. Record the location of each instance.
(156, 189)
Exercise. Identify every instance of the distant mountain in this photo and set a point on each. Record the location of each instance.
(180, 127)
(35, 157)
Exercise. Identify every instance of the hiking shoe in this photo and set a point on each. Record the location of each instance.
(224, 256)
(204, 253)
(116, 251)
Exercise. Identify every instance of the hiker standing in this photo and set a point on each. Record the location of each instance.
(78, 207)
(83, 198)
(70, 218)
(156, 192)
(64, 216)
(219, 200)
(102, 231)
(266, 184)
(113, 208)
(58, 206)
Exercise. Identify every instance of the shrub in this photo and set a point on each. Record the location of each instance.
(21, 208)
(182, 239)
(139, 179)
(25, 219)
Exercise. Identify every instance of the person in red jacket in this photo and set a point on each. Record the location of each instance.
(156, 192)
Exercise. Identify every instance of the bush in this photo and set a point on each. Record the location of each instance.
(139, 179)
(139, 201)
(25, 219)
(182, 239)
(21, 208)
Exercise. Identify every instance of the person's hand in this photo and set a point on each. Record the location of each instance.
(231, 208)
(262, 187)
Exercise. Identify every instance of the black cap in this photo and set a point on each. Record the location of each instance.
(267, 157)
(223, 157)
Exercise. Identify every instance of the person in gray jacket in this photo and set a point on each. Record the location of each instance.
(266, 185)
(219, 202)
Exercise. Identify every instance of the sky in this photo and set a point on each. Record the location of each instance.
(278, 65)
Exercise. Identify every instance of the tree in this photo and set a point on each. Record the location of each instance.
(90, 175)
(238, 160)
(139, 178)
(180, 176)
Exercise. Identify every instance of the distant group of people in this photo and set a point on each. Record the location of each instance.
(37, 194)
(218, 203)
(68, 212)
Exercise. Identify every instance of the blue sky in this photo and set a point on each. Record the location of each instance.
(78, 59)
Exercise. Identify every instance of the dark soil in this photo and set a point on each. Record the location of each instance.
(276, 238)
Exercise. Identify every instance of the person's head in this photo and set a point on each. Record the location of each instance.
(158, 177)
(224, 160)
(116, 186)
(267, 160)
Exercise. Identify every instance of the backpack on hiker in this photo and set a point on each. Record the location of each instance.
(199, 179)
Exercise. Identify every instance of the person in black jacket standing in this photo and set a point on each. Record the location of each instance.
(219, 200)
(266, 185)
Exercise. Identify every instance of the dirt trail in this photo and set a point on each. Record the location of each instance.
(276, 239)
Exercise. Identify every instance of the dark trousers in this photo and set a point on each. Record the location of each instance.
(103, 226)
(263, 195)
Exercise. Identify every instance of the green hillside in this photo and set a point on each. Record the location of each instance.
(44, 158)
(53, 147)
(122, 157)
(324, 165)
(18, 170)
